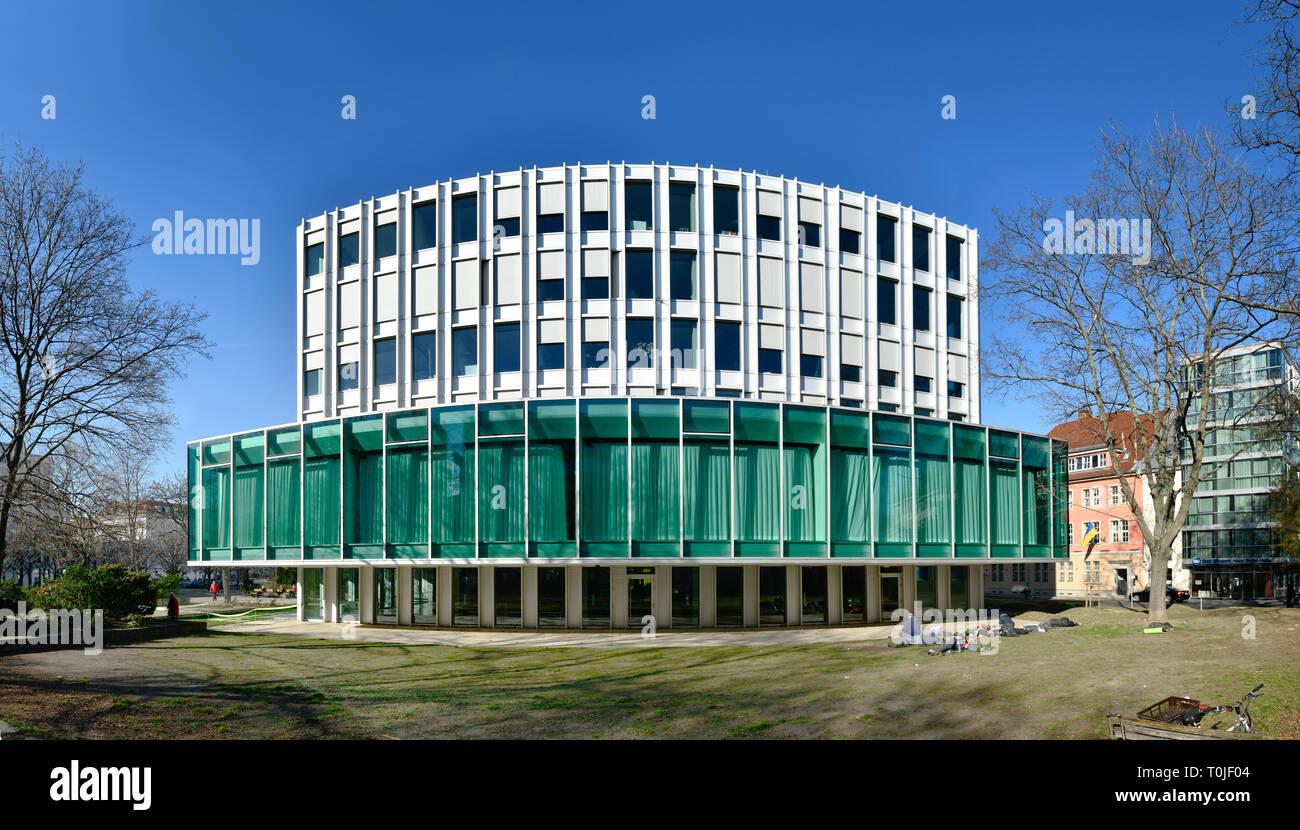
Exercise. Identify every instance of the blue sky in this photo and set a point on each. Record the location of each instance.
(232, 110)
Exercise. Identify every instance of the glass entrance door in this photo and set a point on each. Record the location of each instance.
(386, 596)
(640, 599)
(349, 595)
(890, 599)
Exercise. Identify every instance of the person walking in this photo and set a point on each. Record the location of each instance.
(173, 607)
(1290, 596)
(214, 589)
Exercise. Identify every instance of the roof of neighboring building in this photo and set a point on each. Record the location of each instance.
(1086, 434)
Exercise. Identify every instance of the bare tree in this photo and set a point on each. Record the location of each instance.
(1268, 117)
(1124, 298)
(87, 359)
(170, 549)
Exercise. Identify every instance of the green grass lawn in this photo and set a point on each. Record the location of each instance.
(1060, 684)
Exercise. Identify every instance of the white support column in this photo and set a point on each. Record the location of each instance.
(487, 606)
(907, 588)
(834, 595)
(943, 593)
(618, 596)
(663, 596)
(708, 596)
(299, 594)
(573, 596)
(751, 596)
(404, 589)
(443, 609)
(366, 589)
(330, 592)
(528, 585)
(793, 595)
(873, 594)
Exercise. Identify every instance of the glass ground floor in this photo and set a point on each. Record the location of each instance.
(1265, 579)
(620, 596)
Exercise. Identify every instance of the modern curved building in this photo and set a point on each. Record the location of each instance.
(579, 396)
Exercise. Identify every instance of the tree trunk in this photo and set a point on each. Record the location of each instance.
(1156, 583)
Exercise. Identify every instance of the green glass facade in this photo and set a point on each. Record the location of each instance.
(627, 478)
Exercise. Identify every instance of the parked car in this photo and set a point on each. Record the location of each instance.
(1172, 595)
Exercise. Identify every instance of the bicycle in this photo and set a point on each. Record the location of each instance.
(1241, 708)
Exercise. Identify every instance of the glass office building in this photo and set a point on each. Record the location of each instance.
(585, 395)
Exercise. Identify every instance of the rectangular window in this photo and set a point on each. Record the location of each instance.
(349, 249)
(850, 241)
(920, 308)
(595, 354)
(810, 366)
(548, 290)
(886, 294)
(954, 316)
(769, 361)
(887, 378)
(464, 351)
(550, 223)
(639, 274)
(682, 276)
(852, 374)
(311, 382)
(639, 345)
(886, 228)
(923, 383)
(348, 376)
(1116, 497)
(922, 412)
(681, 206)
(424, 226)
(505, 347)
(550, 355)
(385, 240)
(595, 288)
(769, 227)
(956, 389)
(726, 346)
(887, 407)
(638, 198)
(1119, 531)
(685, 343)
(424, 353)
(385, 361)
(920, 248)
(953, 256)
(810, 235)
(595, 221)
(726, 210)
(315, 257)
(464, 218)
(595, 598)
(505, 227)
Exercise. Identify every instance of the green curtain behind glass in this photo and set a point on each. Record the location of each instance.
(282, 502)
(801, 512)
(933, 504)
(365, 498)
(408, 496)
(654, 491)
(501, 492)
(758, 492)
(1037, 507)
(321, 501)
(549, 494)
(604, 491)
(849, 468)
(452, 485)
(248, 506)
(891, 487)
(708, 494)
(216, 507)
(1006, 515)
(970, 495)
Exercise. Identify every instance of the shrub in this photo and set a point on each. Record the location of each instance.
(165, 586)
(119, 592)
(11, 593)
